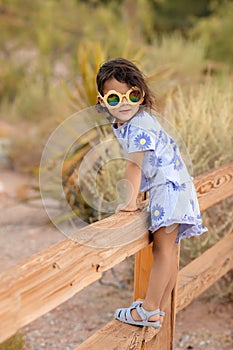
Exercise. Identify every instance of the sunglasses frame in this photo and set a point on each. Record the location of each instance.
(121, 96)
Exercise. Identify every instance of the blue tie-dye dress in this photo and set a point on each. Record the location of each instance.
(172, 195)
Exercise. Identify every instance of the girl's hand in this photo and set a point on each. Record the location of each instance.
(126, 208)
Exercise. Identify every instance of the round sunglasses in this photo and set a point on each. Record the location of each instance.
(113, 98)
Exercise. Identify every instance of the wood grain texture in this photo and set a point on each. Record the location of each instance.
(142, 267)
(214, 186)
(211, 188)
(164, 338)
(47, 279)
(116, 335)
(204, 271)
(193, 280)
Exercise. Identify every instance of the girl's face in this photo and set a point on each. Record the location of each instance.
(123, 111)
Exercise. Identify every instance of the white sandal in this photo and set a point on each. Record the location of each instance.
(124, 315)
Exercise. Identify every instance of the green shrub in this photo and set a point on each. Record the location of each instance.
(217, 31)
(11, 79)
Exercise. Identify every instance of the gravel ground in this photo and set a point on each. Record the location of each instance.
(204, 324)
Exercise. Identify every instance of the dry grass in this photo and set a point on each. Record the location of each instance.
(203, 116)
(199, 107)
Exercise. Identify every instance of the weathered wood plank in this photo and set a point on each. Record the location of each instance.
(115, 335)
(202, 272)
(118, 336)
(214, 186)
(193, 280)
(49, 278)
(163, 340)
(208, 185)
(142, 267)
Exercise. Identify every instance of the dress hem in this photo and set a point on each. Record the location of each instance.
(190, 229)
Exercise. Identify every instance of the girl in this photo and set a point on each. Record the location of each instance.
(154, 164)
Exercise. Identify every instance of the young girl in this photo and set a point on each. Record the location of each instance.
(155, 165)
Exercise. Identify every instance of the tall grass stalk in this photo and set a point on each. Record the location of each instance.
(203, 116)
(187, 57)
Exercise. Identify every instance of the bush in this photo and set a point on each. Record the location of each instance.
(216, 31)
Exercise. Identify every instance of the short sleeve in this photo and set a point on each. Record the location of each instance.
(141, 139)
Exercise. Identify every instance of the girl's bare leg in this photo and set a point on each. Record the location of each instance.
(170, 286)
(163, 272)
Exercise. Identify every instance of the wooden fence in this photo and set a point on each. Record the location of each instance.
(47, 279)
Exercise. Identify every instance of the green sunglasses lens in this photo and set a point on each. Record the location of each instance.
(135, 96)
(113, 100)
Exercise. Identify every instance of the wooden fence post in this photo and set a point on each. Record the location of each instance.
(143, 261)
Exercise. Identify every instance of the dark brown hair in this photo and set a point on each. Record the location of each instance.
(125, 72)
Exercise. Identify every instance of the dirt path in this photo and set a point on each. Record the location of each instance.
(202, 325)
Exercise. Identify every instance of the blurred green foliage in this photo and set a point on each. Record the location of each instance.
(56, 27)
(16, 342)
(38, 36)
(52, 47)
(179, 14)
(217, 33)
(50, 52)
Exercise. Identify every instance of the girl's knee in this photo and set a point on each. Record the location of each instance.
(165, 238)
(165, 250)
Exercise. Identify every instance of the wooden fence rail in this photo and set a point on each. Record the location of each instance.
(193, 280)
(47, 279)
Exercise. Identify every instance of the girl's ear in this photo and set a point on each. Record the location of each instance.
(100, 100)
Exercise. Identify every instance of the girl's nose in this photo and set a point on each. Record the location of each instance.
(124, 100)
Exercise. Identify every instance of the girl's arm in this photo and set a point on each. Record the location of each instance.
(133, 176)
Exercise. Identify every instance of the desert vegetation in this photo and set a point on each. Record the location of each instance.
(51, 51)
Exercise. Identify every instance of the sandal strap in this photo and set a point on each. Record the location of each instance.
(145, 315)
(139, 302)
